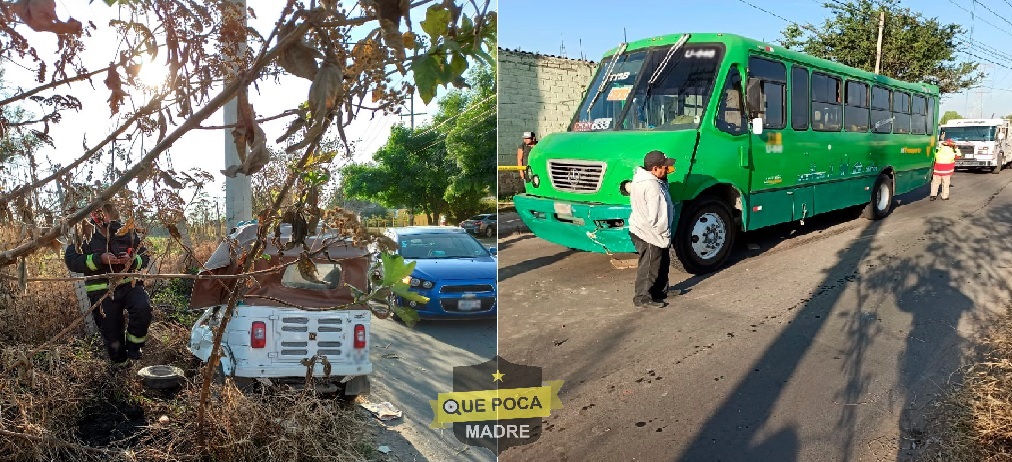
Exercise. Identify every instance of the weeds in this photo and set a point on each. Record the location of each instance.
(69, 404)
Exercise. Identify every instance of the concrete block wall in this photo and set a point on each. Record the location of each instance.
(536, 93)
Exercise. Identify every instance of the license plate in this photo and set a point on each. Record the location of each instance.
(468, 305)
(562, 208)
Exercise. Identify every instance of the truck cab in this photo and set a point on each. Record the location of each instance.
(981, 143)
(285, 323)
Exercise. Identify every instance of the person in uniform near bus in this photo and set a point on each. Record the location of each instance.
(111, 251)
(524, 151)
(945, 165)
(650, 228)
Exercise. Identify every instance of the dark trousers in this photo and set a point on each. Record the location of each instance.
(134, 300)
(652, 272)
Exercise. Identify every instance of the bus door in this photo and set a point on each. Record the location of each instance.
(772, 200)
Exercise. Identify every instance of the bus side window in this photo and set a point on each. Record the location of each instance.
(919, 120)
(773, 76)
(730, 116)
(901, 112)
(800, 98)
(826, 110)
(856, 112)
(881, 117)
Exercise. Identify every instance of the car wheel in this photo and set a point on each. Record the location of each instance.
(490, 231)
(705, 236)
(881, 204)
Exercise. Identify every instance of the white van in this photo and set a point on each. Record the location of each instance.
(284, 323)
(982, 143)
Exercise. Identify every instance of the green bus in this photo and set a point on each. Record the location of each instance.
(761, 135)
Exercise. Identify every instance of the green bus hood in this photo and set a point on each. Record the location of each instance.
(621, 151)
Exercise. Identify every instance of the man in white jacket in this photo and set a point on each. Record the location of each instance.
(650, 228)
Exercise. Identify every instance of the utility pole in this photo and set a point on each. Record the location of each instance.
(412, 114)
(238, 193)
(878, 52)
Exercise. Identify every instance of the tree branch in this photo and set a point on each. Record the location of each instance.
(54, 84)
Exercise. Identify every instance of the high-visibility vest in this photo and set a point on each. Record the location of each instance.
(945, 160)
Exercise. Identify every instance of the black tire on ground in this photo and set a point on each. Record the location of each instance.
(490, 231)
(997, 168)
(705, 236)
(882, 197)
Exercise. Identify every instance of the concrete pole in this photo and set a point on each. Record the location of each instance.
(238, 193)
(878, 53)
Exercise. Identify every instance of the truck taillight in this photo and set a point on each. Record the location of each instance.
(258, 336)
(359, 336)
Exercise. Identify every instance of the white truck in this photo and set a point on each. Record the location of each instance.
(981, 143)
(284, 323)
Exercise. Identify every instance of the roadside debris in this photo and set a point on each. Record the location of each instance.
(384, 449)
(383, 411)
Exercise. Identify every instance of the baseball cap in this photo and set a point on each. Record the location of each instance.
(528, 134)
(657, 159)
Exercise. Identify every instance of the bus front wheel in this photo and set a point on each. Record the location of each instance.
(705, 235)
(881, 197)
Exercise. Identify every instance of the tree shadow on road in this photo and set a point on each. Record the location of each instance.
(507, 272)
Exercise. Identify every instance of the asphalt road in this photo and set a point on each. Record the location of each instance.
(827, 343)
(412, 366)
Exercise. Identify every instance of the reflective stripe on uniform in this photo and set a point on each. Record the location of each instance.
(105, 285)
(140, 262)
(89, 261)
(135, 339)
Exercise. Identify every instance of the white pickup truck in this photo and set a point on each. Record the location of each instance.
(284, 323)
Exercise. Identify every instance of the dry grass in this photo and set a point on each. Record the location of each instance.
(70, 405)
(974, 421)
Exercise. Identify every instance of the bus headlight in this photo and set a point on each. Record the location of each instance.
(623, 187)
(536, 181)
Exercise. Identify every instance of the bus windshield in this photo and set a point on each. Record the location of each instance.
(676, 100)
(981, 133)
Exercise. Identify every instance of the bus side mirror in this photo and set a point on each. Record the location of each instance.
(754, 97)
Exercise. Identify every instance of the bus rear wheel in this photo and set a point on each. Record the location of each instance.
(705, 235)
(881, 197)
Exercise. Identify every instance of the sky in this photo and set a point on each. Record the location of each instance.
(202, 149)
(588, 28)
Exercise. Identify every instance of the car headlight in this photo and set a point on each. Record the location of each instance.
(416, 282)
(983, 148)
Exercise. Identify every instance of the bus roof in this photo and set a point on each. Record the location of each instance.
(974, 122)
(774, 51)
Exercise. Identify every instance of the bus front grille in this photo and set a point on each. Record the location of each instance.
(578, 176)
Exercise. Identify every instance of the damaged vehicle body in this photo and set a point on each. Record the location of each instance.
(290, 320)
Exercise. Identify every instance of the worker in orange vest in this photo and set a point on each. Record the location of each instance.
(945, 165)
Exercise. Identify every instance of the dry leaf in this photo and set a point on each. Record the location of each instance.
(129, 226)
(115, 85)
(40, 15)
(299, 59)
(307, 268)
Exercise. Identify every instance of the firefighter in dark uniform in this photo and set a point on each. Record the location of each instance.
(106, 253)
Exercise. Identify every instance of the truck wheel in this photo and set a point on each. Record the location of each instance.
(705, 235)
(997, 168)
(881, 204)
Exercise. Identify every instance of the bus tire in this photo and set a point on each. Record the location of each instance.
(705, 236)
(882, 198)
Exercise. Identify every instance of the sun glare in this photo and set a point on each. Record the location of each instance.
(152, 73)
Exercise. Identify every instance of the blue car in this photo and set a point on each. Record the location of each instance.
(455, 271)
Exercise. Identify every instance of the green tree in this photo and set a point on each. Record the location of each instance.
(468, 120)
(914, 48)
(412, 171)
(949, 115)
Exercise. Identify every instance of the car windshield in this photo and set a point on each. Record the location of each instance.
(424, 246)
(676, 100)
(982, 133)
